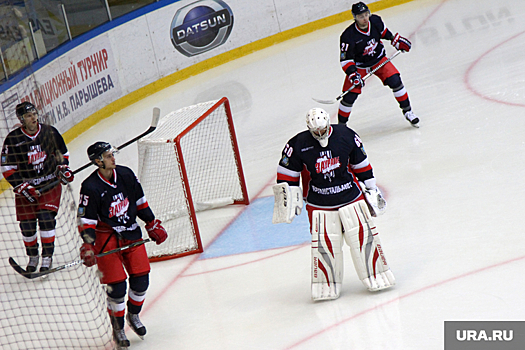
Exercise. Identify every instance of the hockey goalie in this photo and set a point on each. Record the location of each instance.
(341, 199)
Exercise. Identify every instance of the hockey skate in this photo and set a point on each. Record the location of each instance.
(47, 261)
(136, 325)
(33, 263)
(412, 119)
(119, 336)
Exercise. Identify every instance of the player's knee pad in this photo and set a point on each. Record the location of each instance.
(46, 220)
(139, 284)
(349, 99)
(361, 235)
(28, 228)
(394, 82)
(117, 290)
(327, 255)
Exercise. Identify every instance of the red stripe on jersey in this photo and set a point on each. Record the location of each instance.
(383, 33)
(349, 64)
(282, 177)
(362, 170)
(8, 173)
(143, 206)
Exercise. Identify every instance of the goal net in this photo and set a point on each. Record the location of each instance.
(188, 164)
(67, 309)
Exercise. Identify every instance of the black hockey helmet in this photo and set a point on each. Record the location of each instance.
(23, 108)
(358, 8)
(96, 150)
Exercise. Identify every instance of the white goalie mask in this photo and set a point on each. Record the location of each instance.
(318, 122)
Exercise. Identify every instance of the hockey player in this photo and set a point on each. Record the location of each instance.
(361, 51)
(34, 155)
(331, 160)
(111, 198)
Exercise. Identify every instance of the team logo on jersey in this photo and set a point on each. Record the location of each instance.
(36, 157)
(370, 48)
(201, 26)
(327, 165)
(285, 160)
(119, 208)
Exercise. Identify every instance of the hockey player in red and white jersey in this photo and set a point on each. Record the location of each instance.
(331, 161)
(33, 156)
(111, 199)
(361, 51)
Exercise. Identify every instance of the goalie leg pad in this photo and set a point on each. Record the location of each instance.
(361, 235)
(327, 255)
(288, 202)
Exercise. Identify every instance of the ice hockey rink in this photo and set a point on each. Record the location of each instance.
(452, 233)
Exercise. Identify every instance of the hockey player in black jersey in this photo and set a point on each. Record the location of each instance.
(34, 155)
(331, 161)
(111, 199)
(361, 51)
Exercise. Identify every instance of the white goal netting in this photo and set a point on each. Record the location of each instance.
(67, 309)
(190, 163)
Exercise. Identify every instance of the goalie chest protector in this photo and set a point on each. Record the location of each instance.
(331, 182)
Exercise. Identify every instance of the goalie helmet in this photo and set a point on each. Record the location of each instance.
(318, 123)
(23, 108)
(96, 150)
(358, 8)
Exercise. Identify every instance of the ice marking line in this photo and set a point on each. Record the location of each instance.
(469, 70)
(151, 302)
(417, 291)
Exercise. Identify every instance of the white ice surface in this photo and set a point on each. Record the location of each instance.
(453, 231)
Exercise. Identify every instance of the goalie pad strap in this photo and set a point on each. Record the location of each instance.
(367, 253)
(327, 255)
(288, 202)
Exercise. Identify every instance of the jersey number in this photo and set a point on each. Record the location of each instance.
(84, 200)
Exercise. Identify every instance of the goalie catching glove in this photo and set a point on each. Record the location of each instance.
(375, 200)
(288, 203)
(29, 192)
(156, 232)
(87, 254)
(65, 174)
(400, 43)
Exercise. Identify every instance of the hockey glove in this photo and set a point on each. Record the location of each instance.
(65, 174)
(400, 43)
(375, 200)
(29, 192)
(87, 253)
(356, 80)
(156, 232)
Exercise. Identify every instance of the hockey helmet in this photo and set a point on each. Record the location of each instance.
(318, 123)
(358, 8)
(23, 108)
(96, 150)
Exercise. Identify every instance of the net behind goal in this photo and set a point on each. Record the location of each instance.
(190, 163)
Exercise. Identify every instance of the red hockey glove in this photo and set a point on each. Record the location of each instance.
(355, 78)
(156, 232)
(65, 174)
(87, 253)
(29, 192)
(400, 43)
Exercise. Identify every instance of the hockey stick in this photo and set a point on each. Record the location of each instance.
(328, 102)
(154, 122)
(32, 275)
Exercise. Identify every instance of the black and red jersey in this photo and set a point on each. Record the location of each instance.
(33, 158)
(112, 205)
(330, 169)
(363, 49)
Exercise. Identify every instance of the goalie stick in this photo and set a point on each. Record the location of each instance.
(153, 126)
(32, 275)
(327, 102)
